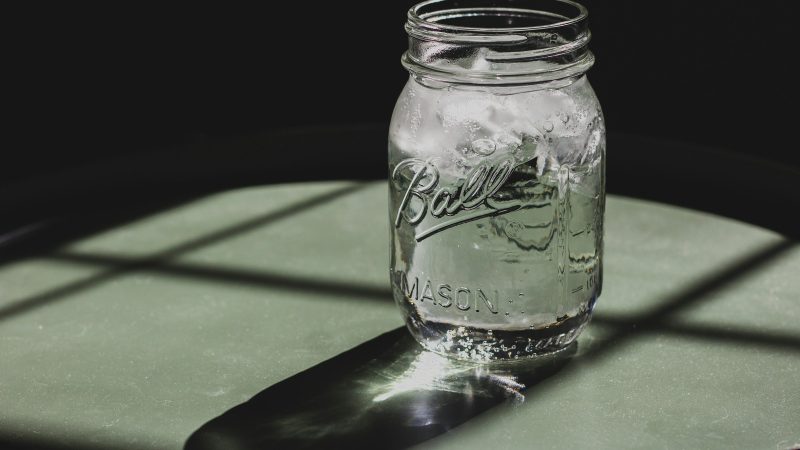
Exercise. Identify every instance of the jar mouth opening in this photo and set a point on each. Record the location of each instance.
(499, 42)
(487, 18)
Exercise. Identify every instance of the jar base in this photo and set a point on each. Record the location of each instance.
(482, 345)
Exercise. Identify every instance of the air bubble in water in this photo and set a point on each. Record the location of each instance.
(484, 147)
(507, 142)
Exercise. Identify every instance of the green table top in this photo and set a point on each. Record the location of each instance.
(138, 336)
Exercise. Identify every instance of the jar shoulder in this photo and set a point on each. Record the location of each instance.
(451, 115)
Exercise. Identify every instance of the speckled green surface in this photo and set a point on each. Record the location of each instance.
(244, 289)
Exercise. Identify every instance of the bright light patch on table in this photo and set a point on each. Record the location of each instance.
(432, 372)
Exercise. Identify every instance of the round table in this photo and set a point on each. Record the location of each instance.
(262, 318)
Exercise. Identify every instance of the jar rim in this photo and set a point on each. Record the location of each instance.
(498, 41)
(432, 20)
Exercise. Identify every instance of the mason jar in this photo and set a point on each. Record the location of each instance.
(497, 178)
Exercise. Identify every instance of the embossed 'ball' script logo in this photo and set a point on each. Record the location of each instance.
(473, 197)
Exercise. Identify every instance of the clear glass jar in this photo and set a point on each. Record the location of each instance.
(497, 185)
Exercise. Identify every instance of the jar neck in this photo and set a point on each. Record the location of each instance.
(523, 42)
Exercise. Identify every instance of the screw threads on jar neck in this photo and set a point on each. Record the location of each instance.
(498, 42)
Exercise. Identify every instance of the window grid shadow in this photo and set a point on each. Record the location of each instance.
(624, 329)
(656, 320)
(30, 303)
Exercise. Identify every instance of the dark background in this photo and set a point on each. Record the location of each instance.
(107, 100)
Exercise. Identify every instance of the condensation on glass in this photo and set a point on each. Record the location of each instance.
(497, 178)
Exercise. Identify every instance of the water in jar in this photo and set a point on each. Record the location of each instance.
(496, 210)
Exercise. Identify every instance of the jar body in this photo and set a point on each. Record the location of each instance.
(496, 201)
